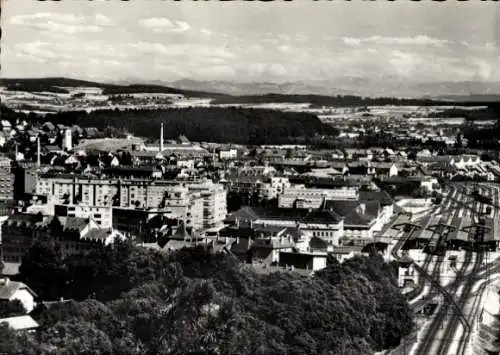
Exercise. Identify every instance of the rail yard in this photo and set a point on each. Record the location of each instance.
(452, 248)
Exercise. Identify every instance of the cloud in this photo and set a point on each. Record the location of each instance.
(403, 63)
(421, 40)
(181, 26)
(162, 24)
(180, 50)
(39, 50)
(62, 23)
(484, 70)
(285, 48)
(69, 51)
(485, 47)
(103, 20)
(352, 41)
(156, 23)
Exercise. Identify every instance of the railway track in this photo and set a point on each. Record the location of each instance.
(467, 280)
(476, 308)
(425, 348)
(452, 325)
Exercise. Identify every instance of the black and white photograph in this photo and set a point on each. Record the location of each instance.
(302, 177)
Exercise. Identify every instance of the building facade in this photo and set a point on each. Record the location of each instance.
(202, 202)
(6, 180)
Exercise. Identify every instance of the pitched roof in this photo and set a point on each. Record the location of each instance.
(177, 244)
(351, 212)
(73, 223)
(20, 322)
(381, 196)
(235, 232)
(8, 289)
(244, 213)
(97, 234)
(241, 245)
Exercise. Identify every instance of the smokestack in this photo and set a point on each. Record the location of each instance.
(15, 153)
(161, 138)
(38, 151)
(68, 144)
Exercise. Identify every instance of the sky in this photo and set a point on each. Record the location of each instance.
(278, 41)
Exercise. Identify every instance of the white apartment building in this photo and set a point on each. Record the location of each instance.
(228, 154)
(214, 198)
(203, 203)
(101, 215)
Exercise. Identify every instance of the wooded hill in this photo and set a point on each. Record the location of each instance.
(209, 124)
(129, 300)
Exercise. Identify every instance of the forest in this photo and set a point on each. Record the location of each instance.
(205, 124)
(478, 114)
(322, 100)
(130, 300)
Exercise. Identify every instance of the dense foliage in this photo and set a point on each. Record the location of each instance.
(129, 300)
(11, 308)
(479, 114)
(214, 124)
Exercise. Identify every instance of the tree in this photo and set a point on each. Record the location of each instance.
(11, 308)
(12, 342)
(43, 270)
(195, 301)
(76, 337)
(55, 226)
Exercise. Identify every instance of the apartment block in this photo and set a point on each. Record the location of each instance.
(202, 202)
(6, 180)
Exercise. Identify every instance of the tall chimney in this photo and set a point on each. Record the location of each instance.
(161, 138)
(38, 151)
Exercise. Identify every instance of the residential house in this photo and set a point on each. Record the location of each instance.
(14, 290)
(21, 323)
(275, 186)
(361, 220)
(358, 154)
(72, 234)
(384, 199)
(305, 261)
(343, 253)
(269, 242)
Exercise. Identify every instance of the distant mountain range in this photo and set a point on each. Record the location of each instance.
(471, 91)
(352, 86)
